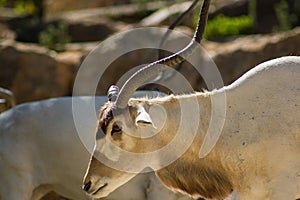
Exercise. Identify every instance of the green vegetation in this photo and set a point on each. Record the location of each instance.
(222, 26)
(2, 3)
(25, 7)
(55, 37)
(252, 9)
(285, 21)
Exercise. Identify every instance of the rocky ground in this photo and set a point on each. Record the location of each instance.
(33, 72)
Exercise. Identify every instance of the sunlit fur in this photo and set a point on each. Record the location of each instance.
(257, 154)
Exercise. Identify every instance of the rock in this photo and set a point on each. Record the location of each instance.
(88, 29)
(53, 7)
(33, 73)
(78, 30)
(238, 56)
(6, 32)
(231, 9)
(84, 47)
(70, 58)
(113, 10)
(7, 14)
(165, 15)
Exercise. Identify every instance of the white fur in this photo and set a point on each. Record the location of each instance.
(259, 147)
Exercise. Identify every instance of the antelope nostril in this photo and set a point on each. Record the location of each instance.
(87, 186)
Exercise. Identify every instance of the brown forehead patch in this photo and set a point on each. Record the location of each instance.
(105, 116)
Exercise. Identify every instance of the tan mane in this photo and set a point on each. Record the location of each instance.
(206, 179)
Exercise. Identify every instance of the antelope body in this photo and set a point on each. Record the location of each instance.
(256, 155)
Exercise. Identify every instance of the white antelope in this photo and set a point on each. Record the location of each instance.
(40, 151)
(257, 154)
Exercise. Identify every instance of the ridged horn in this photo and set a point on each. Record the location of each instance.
(174, 24)
(113, 93)
(8, 97)
(146, 73)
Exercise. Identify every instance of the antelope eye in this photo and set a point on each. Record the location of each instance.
(115, 129)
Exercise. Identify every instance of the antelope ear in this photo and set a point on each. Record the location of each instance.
(143, 118)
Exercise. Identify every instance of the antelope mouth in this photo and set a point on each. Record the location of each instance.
(99, 189)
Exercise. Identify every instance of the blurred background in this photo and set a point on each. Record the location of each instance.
(43, 42)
